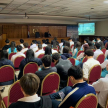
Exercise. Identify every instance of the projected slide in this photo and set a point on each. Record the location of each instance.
(86, 29)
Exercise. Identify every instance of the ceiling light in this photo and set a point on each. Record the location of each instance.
(42, 12)
(106, 1)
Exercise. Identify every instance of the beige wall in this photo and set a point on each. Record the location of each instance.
(101, 28)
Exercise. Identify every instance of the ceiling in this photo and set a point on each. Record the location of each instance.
(75, 10)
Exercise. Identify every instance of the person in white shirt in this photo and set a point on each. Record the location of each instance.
(25, 48)
(41, 51)
(89, 63)
(19, 53)
(85, 43)
(98, 51)
(44, 45)
(22, 41)
(101, 88)
(71, 43)
(61, 44)
(98, 39)
(33, 44)
(54, 48)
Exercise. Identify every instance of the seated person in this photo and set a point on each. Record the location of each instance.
(48, 50)
(66, 53)
(89, 63)
(44, 41)
(36, 48)
(62, 68)
(71, 95)
(12, 48)
(25, 48)
(22, 41)
(40, 50)
(54, 41)
(29, 58)
(7, 46)
(85, 43)
(101, 88)
(71, 43)
(98, 51)
(100, 42)
(91, 46)
(47, 41)
(61, 44)
(54, 48)
(29, 87)
(19, 53)
(46, 69)
(33, 44)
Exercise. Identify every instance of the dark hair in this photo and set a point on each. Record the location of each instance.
(39, 46)
(76, 72)
(86, 47)
(44, 41)
(67, 44)
(70, 39)
(97, 45)
(55, 38)
(46, 60)
(107, 47)
(90, 43)
(48, 50)
(12, 46)
(38, 42)
(34, 41)
(86, 40)
(55, 56)
(25, 45)
(21, 40)
(89, 52)
(29, 55)
(30, 83)
(19, 47)
(6, 41)
(4, 54)
(66, 49)
(78, 45)
(62, 40)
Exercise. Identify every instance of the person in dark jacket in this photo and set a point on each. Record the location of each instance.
(29, 86)
(66, 54)
(29, 58)
(7, 46)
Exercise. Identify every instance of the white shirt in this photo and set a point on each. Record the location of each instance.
(101, 86)
(23, 50)
(54, 51)
(16, 55)
(22, 45)
(39, 52)
(99, 41)
(88, 65)
(106, 53)
(44, 45)
(71, 43)
(80, 56)
(35, 49)
(83, 45)
(61, 44)
(33, 46)
(33, 98)
(96, 53)
(103, 65)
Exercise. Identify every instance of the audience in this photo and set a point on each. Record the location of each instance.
(89, 63)
(71, 95)
(29, 87)
(44, 45)
(45, 69)
(25, 48)
(29, 58)
(18, 54)
(33, 44)
(7, 46)
(22, 41)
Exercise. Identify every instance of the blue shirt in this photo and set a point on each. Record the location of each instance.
(15, 50)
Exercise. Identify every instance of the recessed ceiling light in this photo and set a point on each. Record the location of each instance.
(42, 12)
(106, 1)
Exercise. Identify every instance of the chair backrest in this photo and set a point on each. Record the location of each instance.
(70, 52)
(40, 56)
(87, 101)
(69, 82)
(94, 74)
(10, 55)
(101, 58)
(17, 61)
(25, 53)
(14, 93)
(84, 59)
(50, 83)
(58, 48)
(72, 60)
(106, 103)
(106, 45)
(7, 73)
(104, 50)
(72, 46)
(36, 50)
(30, 67)
(44, 48)
(93, 50)
(79, 52)
(52, 64)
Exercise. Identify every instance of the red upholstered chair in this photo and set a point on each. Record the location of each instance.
(25, 53)
(30, 67)
(55, 49)
(69, 82)
(79, 52)
(7, 73)
(17, 61)
(94, 74)
(14, 94)
(40, 56)
(70, 52)
(104, 50)
(84, 59)
(72, 60)
(58, 48)
(44, 48)
(36, 50)
(101, 58)
(50, 84)
(10, 55)
(106, 45)
(52, 64)
(72, 46)
(87, 101)
(93, 50)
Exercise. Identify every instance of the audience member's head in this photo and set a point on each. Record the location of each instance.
(85, 47)
(85, 41)
(7, 41)
(25, 45)
(38, 42)
(67, 44)
(97, 46)
(46, 60)
(55, 38)
(4, 54)
(48, 50)
(33, 42)
(78, 45)
(39, 46)
(44, 41)
(66, 49)
(19, 48)
(62, 40)
(55, 57)
(21, 41)
(70, 39)
(98, 38)
(29, 84)
(29, 55)
(76, 74)
(12, 45)
(89, 53)
(90, 43)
